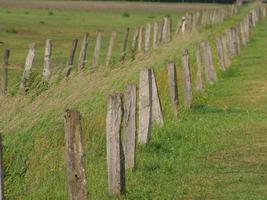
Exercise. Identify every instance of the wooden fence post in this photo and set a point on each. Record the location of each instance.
(124, 45)
(220, 52)
(156, 112)
(173, 89)
(155, 35)
(165, 29)
(24, 87)
(145, 101)
(161, 22)
(187, 79)
(5, 72)
(77, 189)
(110, 47)
(115, 156)
(140, 38)
(147, 38)
(199, 74)
(97, 50)
(169, 29)
(129, 124)
(225, 51)
(134, 43)
(211, 70)
(83, 52)
(71, 58)
(47, 60)
(2, 193)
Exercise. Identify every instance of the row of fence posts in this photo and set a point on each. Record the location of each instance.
(121, 117)
(142, 42)
(122, 108)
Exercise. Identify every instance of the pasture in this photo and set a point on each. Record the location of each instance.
(213, 151)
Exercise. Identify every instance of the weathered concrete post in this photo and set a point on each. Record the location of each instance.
(97, 50)
(156, 112)
(199, 74)
(47, 60)
(124, 45)
(71, 58)
(220, 52)
(5, 72)
(115, 155)
(24, 87)
(129, 124)
(155, 35)
(140, 38)
(173, 89)
(187, 79)
(83, 52)
(77, 189)
(2, 193)
(145, 102)
(147, 37)
(110, 47)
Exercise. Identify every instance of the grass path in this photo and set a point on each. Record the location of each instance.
(235, 133)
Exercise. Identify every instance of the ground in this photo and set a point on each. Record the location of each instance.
(217, 150)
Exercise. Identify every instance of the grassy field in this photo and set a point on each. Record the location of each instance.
(215, 151)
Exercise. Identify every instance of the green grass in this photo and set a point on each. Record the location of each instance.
(214, 151)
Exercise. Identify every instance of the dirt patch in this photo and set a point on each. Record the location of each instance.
(104, 6)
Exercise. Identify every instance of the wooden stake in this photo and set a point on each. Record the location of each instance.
(24, 87)
(5, 72)
(155, 35)
(124, 46)
(97, 50)
(135, 43)
(140, 38)
(187, 79)
(173, 89)
(199, 75)
(47, 60)
(77, 189)
(83, 52)
(115, 156)
(2, 193)
(220, 52)
(129, 125)
(145, 101)
(71, 58)
(156, 112)
(147, 38)
(110, 47)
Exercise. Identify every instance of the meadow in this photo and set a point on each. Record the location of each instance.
(214, 151)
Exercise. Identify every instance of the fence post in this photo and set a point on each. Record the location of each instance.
(110, 47)
(187, 79)
(97, 50)
(145, 101)
(147, 38)
(2, 193)
(5, 72)
(83, 52)
(124, 45)
(155, 35)
(71, 58)
(173, 89)
(47, 60)
(140, 38)
(220, 52)
(134, 43)
(129, 124)
(169, 29)
(165, 29)
(76, 177)
(199, 74)
(24, 87)
(115, 156)
(156, 112)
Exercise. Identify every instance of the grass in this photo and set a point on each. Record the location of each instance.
(215, 151)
